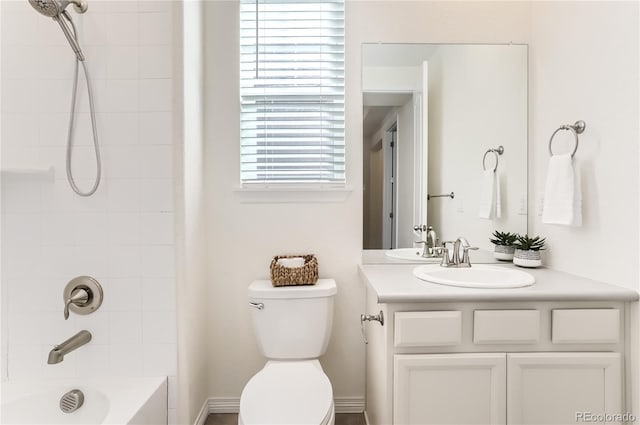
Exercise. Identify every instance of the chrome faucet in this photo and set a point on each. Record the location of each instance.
(431, 249)
(56, 355)
(455, 260)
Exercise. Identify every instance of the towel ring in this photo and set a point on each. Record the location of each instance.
(577, 128)
(497, 151)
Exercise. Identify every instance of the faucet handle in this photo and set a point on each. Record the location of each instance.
(465, 255)
(78, 297)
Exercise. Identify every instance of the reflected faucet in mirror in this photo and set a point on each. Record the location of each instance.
(430, 244)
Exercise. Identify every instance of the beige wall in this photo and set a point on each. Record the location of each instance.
(242, 237)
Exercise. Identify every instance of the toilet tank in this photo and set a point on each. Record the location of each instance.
(292, 322)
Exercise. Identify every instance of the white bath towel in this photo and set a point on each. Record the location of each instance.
(490, 195)
(291, 262)
(563, 195)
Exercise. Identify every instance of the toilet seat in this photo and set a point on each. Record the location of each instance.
(288, 393)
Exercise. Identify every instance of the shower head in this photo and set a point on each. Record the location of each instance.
(55, 9)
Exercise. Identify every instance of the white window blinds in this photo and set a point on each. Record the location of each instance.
(292, 91)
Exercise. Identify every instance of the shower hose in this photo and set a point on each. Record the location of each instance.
(94, 130)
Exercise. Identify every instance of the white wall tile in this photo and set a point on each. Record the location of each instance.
(119, 129)
(124, 228)
(124, 234)
(155, 62)
(156, 95)
(125, 327)
(158, 261)
(159, 359)
(155, 28)
(156, 162)
(126, 359)
(121, 96)
(156, 195)
(159, 327)
(124, 195)
(123, 62)
(124, 261)
(122, 29)
(157, 228)
(125, 295)
(26, 361)
(156, 128)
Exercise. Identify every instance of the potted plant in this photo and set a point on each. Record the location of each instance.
(527, 253)
(504, 245)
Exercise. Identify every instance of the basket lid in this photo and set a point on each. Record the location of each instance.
(264, 289)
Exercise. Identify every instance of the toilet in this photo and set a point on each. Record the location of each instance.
(293, 326)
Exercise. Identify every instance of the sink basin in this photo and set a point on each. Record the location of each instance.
(476, 276)
(412, 254)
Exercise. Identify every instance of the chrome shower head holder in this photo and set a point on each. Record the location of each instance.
(56, 10)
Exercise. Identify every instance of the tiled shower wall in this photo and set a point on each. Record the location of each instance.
(124, 234)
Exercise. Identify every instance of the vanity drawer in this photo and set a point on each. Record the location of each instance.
(424, 328)
(506, 326)
(593, 326)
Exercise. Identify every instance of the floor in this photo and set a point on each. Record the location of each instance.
(232, 419)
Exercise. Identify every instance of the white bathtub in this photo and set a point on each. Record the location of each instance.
(122, 401)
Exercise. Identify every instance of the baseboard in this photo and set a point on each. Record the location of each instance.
(232, 405)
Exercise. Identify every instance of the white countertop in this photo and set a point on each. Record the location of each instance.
(395, 283)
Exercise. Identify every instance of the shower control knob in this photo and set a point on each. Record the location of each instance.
(82, 295)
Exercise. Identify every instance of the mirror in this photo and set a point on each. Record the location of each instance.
(434, 117)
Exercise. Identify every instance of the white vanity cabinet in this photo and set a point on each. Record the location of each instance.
(502, 362)
(557, 352)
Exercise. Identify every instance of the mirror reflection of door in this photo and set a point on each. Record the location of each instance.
(389, 195)
(389, 156)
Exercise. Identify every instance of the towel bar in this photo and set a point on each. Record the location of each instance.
(497, 151)
(577, 128)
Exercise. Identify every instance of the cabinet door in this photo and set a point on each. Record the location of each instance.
(562, 388)
(449, 389)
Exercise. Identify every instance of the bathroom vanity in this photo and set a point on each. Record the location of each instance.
(554, 352)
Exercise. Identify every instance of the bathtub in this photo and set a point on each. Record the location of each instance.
(122, 401)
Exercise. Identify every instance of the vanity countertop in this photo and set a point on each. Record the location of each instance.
(395, 283)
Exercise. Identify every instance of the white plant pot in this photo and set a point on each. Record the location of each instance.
(504, 252)
(527, 258)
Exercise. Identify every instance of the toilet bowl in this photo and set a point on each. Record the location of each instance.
(293, 326)
(288, 393)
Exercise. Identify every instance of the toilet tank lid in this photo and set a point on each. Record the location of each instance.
(264, 289)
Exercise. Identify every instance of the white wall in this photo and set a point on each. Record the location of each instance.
(193, 359)
(405, 176)
(589, 71)
(243, 236)
(124, 234)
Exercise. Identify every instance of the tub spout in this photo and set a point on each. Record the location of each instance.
(56, 355)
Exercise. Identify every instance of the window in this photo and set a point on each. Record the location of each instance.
(292, 91)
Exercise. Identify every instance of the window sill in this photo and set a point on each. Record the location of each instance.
(273, 194)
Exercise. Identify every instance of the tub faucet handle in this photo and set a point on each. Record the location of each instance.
(78, 297)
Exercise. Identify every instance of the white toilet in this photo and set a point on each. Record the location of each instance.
(293, 325)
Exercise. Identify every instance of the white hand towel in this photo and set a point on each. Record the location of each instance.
(498, 211)
(487, 208)
(291, 262)
(563, 195)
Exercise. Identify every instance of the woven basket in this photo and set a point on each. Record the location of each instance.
(286, 276)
